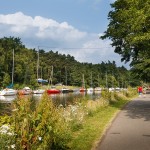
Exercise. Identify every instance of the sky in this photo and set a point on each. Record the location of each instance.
(67, 26)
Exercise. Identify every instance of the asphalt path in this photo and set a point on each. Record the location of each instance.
(130, 130)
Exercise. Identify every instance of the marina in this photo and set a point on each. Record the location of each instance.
(60, 98)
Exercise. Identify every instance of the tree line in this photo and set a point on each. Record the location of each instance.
(56, 68)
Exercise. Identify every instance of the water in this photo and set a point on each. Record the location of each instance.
(62, 98)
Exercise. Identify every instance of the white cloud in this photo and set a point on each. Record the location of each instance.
(16, 19)
(85, 47)
(42, 27)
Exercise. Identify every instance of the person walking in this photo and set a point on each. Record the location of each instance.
(140, 90)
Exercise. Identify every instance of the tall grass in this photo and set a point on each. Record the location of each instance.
(47, 127)
(42, 128)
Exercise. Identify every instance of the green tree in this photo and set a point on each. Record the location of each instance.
(6, 80)
(129, 31)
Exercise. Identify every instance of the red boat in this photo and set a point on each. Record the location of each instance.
(82, 90)
(53, 91)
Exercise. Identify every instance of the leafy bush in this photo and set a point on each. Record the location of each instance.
(41, 128)
(6, 137)
(119, 96)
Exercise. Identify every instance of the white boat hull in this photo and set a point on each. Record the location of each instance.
(38, 91)
(90, 90)
(8, 92)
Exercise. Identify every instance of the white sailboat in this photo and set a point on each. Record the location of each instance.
(38, 91)
(9, 91)
(91, 89)
(83, 89)
(39, 80)
(7, 99)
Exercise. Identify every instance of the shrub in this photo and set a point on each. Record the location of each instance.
(6, 137)
(41, 128)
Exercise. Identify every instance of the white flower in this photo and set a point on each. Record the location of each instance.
(10, 133)
(40, 138)
(60, 105)
(12, 146)
(4, 129)
(15, 110)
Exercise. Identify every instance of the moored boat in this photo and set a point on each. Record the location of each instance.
(8, 92)
(53, 91)
(25, 91)
(8, 98)
(39, 91)
(82, 89)
(98, 89)
(90, 90)
(64, 90)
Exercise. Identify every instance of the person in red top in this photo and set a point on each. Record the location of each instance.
(140, 90)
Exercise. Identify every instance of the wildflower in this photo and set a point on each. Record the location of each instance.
(60, 105)
(15, 110)
(4, 129)
(10, 133)
(40, 138)
(12, 146)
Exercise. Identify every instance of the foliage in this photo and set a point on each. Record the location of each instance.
(39, 128)
(102, 111)
(74, 115)
(129, 30)
(66, 69)
(6, 137)
(6, 133)
(6, 80)
(131, 92)
(46, 126)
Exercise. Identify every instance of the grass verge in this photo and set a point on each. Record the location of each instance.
(95, 125)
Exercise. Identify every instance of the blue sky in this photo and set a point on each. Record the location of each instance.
(67, 26)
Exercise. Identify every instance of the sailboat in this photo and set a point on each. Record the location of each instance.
(98, 89)
(39, 80)
(9, 91)
(52, 90)
(64, 89)
(90, 90)
(25, 91)
(83, 89)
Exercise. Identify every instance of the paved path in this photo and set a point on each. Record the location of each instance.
(131, 128)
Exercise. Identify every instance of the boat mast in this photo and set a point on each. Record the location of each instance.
(83, 83)
(91, 80)
(51, 76)
(38, 63)
(13, 69)
(106, 81)
(66, 74)
(98, 81)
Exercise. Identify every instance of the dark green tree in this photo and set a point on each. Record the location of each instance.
(129, 31)
(6, 80)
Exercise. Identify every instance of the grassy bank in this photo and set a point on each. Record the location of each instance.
(45, 126)
(96, 124)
